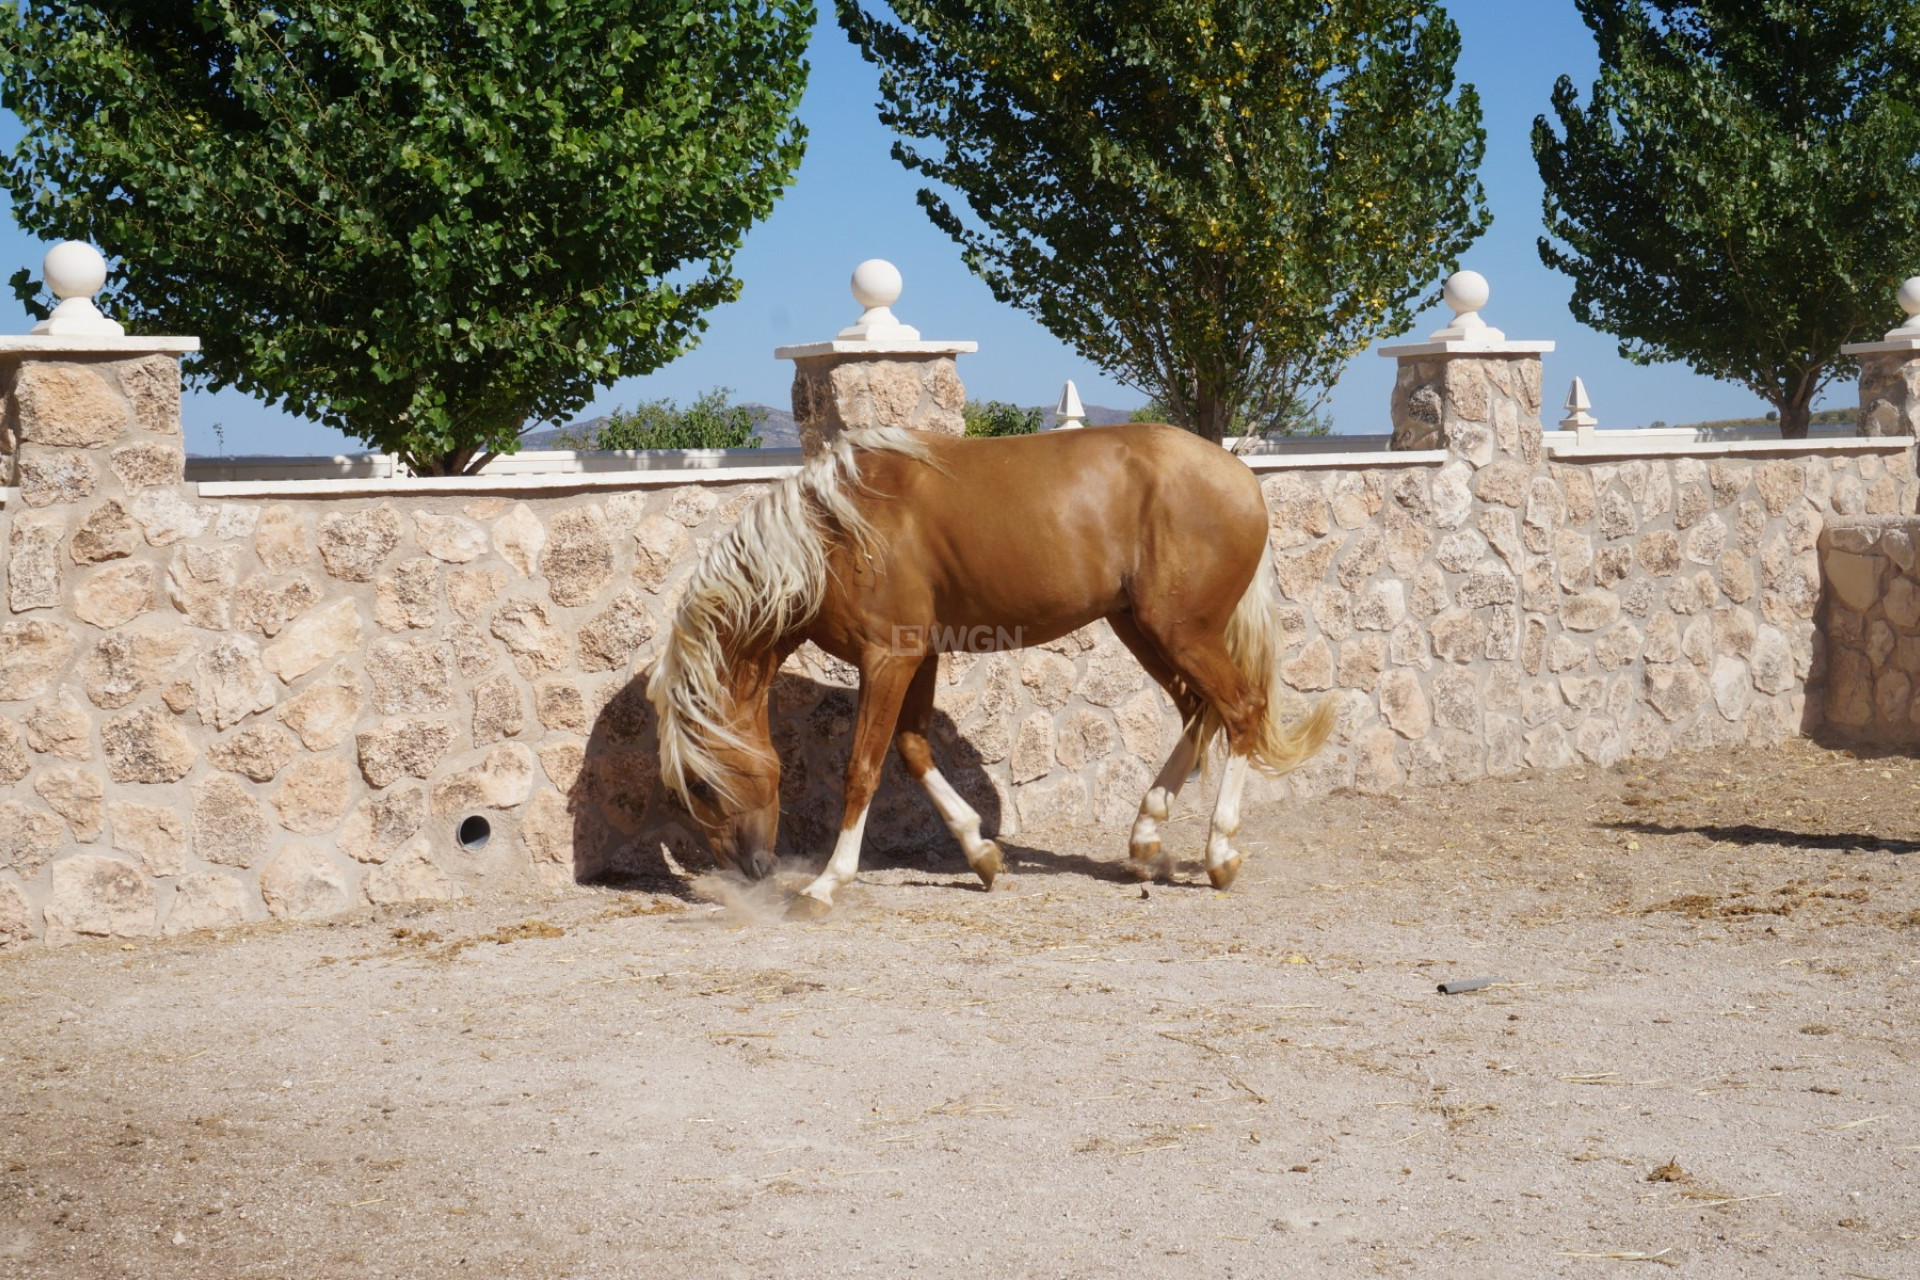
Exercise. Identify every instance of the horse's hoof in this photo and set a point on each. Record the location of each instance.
(807, 907)
(1146, 861)
(1222, 875)
(989, 864)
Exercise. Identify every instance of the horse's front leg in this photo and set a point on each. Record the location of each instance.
(916, 718)
(883, 685)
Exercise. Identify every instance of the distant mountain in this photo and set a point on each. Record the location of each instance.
(549, 439)
(777, 430)
(1097, 416)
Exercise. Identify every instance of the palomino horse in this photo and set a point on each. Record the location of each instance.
(894, 541)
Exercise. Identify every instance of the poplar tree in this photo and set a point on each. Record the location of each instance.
(1741, 189)
(429, 224)
(1219, 202)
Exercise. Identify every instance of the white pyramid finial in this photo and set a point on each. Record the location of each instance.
(876, 287)
(1577, 408)
(1466, 292)
(1069, 413)
(75, 271)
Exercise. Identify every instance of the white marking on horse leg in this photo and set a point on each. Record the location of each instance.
(1143, 846)
(843, 866)
(960, 817)
(1222, 862)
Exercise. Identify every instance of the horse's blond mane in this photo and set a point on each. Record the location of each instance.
(762, 578)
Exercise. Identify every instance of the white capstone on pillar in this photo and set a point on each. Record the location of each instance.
(1467, 389)
(877, 372)
(1890, 373)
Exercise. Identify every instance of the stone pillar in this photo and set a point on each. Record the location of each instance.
(876, 373)
(95, 454)
(1890, 374)
(1870, 621)
(1467, 389)
(90, 423)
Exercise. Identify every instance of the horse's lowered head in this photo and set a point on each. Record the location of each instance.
(717, 755)
(756, 582)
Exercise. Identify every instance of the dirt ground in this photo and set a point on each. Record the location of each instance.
(1700, 1055)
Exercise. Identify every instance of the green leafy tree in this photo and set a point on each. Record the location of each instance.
(1218, 202)
(1741, 190)
(998, 418)
(427, 223)
(710, 422)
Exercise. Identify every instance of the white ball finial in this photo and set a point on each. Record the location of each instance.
(75, 271)
(876, 283)
(876, 287)
(1910, 303)
(1465, 293)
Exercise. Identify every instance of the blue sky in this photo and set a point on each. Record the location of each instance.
(851, 201)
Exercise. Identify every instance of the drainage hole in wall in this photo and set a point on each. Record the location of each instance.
(475, 831)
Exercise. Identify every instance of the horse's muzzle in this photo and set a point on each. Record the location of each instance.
(753, 836)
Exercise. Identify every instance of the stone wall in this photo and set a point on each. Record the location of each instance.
(217, 710)
(254, 708)
(1477, 622)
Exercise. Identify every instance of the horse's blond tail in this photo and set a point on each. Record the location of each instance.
(1253, 643)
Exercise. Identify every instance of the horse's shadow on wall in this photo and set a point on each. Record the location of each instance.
(629, 829)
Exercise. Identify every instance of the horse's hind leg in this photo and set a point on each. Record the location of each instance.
(916, 714)
(1223, 860)
(1203, 660)
(1144, 852)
